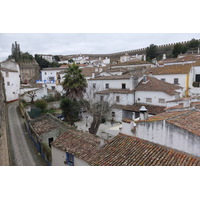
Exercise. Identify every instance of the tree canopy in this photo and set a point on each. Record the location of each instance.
(151, 52)
(74, 82)
(18, 55)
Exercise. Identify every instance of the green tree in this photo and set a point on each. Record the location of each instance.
(41, 103)
(193, 43)
(57, 58)
(70, 109)
(41, 61)
(151, 52)
(74, 82)
(179, 48)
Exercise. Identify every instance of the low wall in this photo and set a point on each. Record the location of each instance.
(4, 156)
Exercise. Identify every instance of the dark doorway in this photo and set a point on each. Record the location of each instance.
(197, 77)
(50, 141)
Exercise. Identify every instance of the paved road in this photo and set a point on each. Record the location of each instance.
(22, 150)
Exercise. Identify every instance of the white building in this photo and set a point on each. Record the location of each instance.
(48, 58)
(11, 75)
(74, 148)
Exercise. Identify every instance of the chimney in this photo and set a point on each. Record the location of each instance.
(144, 58)
(93, 75)
(100, 70)
(164, 56)
(143, 113)
(102, 142)
(134, 82)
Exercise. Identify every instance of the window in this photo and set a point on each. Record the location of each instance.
(161, 100)
(51, 79)
(113, 114)
(53, 87)
(107, 85)
(138, 99)
(117, 99)
(94, 85)
(8, 83)
(7, 74)
(162, 79)
(45, 73)
(70, 159)
(176, 81)
(123, 85)
(50, 141)
(149, 100)
(101, 98)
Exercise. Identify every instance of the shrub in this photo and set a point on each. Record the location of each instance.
(41, 103)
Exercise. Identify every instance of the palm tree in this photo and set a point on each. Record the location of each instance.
(74, 82)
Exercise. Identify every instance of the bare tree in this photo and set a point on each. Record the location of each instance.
(97, 107)
(32, 95)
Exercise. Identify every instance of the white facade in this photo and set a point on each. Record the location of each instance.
(48, 57)
(153, 97)
(11, 84)
(59, 158)
(40, 93)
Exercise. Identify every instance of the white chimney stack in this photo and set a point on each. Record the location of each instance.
(143, 113)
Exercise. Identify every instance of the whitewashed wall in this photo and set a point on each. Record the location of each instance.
(142, 95)
(13, 89)
(59, 156)
(166, 134)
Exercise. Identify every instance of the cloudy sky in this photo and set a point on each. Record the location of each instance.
(75, 43)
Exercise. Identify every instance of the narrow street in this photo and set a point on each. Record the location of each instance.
(22, 150)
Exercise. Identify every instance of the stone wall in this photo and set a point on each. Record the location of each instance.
(4, 156)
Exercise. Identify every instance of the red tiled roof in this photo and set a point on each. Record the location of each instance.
(115, 77)
(166, 115)
(80, 144)
(126, 150)
(189, 121)
(171, 69)
(153, 84)
(151, 109)
(7, 70)
(118, 91)
(43, 125)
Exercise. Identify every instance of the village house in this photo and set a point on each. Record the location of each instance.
(74, 148)
(184, 75)
(39, 91)
(177, 129)
(127, 58)
(43, 131)
(124, 150)
(10, 72)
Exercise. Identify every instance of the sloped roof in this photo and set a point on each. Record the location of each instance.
(170, 69)
(189, 121)
(80, 144)
(7, 70)
(166, 115)
(126, 150)
(117, 91)
(151, 109)
(153, 84)
(115, 77)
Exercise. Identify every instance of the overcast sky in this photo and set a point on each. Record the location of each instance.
(76, 43)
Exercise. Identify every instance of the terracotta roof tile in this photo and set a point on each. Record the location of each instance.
(152, 109)
(80, 144)
(115, 77)
(42, 126)
(171, 69)
(126, 150)
(189, 121)
(166, 115)
(153, 84)
(118, 91)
